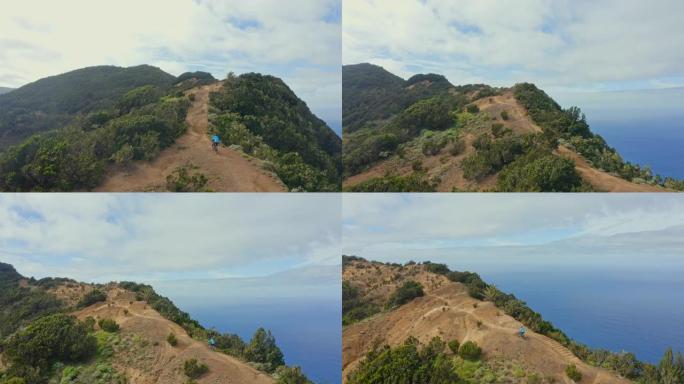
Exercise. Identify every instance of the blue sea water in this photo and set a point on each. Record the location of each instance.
(621, 308)
(656, 141)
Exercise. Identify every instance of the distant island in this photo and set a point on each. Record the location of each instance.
(425, 134)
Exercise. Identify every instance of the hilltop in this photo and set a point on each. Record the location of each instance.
(426, 134)
(141, 129)
(120, 333)
(392, 312)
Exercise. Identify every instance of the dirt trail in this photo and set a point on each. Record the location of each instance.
(449, 312)
(518, 121)
(601, 180)
(227, 170)
(162, 364)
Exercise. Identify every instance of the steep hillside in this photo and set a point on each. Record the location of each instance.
(190, 164)
(263, 117)
(120, 333)
(425, 134)
(53, 102)
(4, 90)
(387, 319)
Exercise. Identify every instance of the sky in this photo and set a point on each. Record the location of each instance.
(561, 45)
(156, 237)
(298, 41)
(533, 229)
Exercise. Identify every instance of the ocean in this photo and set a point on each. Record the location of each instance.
(645, 126)
(620, 308)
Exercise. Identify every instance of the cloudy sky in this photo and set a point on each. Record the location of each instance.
(103, 237)
(575, 45)
(297, 40)
(622, 230)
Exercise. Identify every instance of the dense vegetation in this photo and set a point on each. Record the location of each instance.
(354, 308)
(267, 120)
(54, 101)
(92, 297)
(413, 363)
(142, 123)
(569, 127)
(408, 291)
(415, 182)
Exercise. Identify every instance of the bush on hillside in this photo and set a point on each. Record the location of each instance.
(92, 297)
(53, 338)
(457, 147)
(194, 369)
(472, 108)
(470, 351)
(291, 375)
(108, 325)
(453, 346)
(431, 114)
(573, 373)
(172, 340)
(504, 115)
(263, 349)
(405, 293)
(533, 173)
(415, 182)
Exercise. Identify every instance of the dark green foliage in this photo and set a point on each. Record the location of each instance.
(415, 182)
(228, 343)
(54, 101)
(670, 369)
(263, 349)
(504, 115)
(182, 180)
(172, 340)
(408, 363)
(498, 130)
(440, 269)
(574, 374)
(267, 109)
(194, 369)
(472, 108)
(470, 350)
(108, 325)
(545, 173)
(89, 322)
(50, 339)
(199, 77)
(74, 158)
(354, 308)
(291, 375)
(19, 306)
(92, 297)
(453, 346)
(432, 146)
(139, 97)
(405, 293)
(492, 155)
(457, 147)
(432, 114)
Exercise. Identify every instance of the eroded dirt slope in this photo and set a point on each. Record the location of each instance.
(227, 170)
(449, 312)
(153, 360)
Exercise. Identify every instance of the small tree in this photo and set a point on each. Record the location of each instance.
(504, 115)
(194, 369)
(470, 351)
(108, 325)
(572, 372)
(291, 375)
(171, 339)
(472, 108)
(453, 346)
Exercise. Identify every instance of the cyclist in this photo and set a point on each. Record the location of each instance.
(215, 141)
(522, 331)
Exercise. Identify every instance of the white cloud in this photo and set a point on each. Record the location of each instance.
(100, 237)
(39, 38)
(554, 43)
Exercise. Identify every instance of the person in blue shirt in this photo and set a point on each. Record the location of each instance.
(215, 141)
(522, 331)
(212, 343)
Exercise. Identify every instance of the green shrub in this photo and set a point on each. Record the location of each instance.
(453, 346)
(498, 130)
(432, 146)
(108, 325)
(15, 380)
(53, 338)
(191, 97)
(181, 180)
(472, 108)
(470, 351)
(291, 375)
(573, 373)
(172, 340)
(415, 182)
(546, 173)
(405, 293)
(504, 115)
(89, 322)
(92, 297)
(433, 114)
(194, 369)
(263, 349)
(457, 147)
